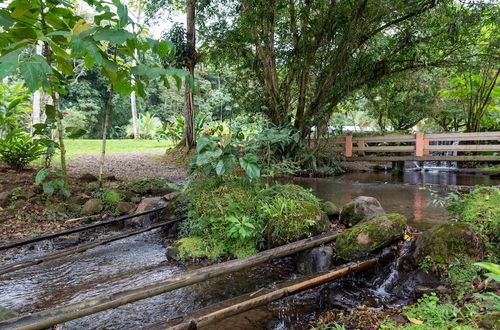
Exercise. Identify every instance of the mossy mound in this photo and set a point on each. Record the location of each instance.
(147, 186)
(448, 241)
(369, 235)
(291, 220)
(481, 209)
(242, 216)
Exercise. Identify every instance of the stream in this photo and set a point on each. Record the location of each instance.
(141, 259)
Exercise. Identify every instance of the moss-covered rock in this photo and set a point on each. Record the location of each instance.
(92, 206)
(331, 210)
(359, 208)
(148, 186)
(369, 235)
(448, 241)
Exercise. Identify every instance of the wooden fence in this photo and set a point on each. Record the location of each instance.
(417, 147)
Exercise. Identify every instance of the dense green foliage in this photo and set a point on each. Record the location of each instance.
(238, 216)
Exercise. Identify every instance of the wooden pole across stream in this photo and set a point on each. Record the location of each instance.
(23, 264)
(50, 317)
(259, 298)
(73, 230)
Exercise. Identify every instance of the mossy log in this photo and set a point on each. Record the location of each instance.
(72, 230)
(23, 264)
(259, 298)
(50, 317)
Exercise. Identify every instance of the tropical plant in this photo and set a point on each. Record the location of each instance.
(149, 126)
(51, 181)
(18, 149)
(217, 156)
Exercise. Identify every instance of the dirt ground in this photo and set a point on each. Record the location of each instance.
(130, 165)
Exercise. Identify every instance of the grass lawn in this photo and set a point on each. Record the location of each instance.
(91, 147)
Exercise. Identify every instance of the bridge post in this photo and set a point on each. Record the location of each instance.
(426, 144)
(361, 144)
(348, 146)
(419, 144)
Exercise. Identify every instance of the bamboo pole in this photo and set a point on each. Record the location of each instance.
(48, 318)
(73, 230)
(263, 297)
(23, 264)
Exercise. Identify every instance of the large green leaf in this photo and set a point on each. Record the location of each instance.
(122, 12)
(34, 71)
(5, 19)
(208, 156)
(116, 36)
(249, 162)
(74, 132)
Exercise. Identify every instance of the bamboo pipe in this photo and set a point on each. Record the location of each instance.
(48, 318)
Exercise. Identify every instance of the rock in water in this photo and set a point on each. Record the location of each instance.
(92, 206)
(369, 235)
(359, 208)
(146, 204)
(447, 241)
(315, 260)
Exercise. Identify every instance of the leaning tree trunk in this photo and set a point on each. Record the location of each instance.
(189, 133)
(107, 113)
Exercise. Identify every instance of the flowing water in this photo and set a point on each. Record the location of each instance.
(141, 259)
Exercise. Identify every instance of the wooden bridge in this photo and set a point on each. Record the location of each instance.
(417, 147)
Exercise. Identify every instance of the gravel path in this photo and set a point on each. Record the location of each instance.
(129, 165)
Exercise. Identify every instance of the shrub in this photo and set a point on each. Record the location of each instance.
(18, 149)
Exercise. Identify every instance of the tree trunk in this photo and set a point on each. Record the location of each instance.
(189, 133)
(37, 97)
(107, 113)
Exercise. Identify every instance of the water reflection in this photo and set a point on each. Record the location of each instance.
(396, 194)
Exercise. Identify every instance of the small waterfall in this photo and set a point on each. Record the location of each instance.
(395, 269)
(439, 164)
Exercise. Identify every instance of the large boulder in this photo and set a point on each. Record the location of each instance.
(448, 241)
(359, 208)
(92, 206)
(315, 260)
(146, 204)
(369, 235)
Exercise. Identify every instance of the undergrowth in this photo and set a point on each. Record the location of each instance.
(241, 216)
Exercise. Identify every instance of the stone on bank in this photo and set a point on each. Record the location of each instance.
(369, 235)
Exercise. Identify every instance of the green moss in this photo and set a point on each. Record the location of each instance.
(449, 241)
(112, 197)
(196, 247)
(148, 186)
(369, 235)
(481, 209)
(290, 220)
(243, 216)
